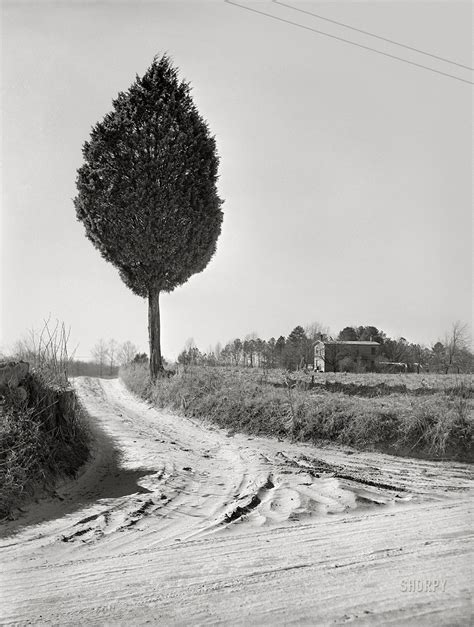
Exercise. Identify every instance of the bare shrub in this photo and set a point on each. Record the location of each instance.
(47, 351)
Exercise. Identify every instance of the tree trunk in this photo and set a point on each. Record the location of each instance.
(156, 364)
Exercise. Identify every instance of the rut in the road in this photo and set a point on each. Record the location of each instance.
(253, 502)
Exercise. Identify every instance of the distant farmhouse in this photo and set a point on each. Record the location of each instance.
(345, 356)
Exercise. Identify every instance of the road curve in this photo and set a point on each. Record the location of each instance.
(178, 522)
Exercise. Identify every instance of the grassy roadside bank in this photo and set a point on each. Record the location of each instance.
(435, 425)
(42, 439)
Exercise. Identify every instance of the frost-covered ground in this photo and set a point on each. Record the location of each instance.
(177, 522)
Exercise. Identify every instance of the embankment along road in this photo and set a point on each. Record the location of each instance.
(178, 522)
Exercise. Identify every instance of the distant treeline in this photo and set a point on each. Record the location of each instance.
(296, 351)
(106, 364)
(77, 368)
(44, 346)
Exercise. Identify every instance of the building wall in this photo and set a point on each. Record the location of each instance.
(319, 353)
(343, 356)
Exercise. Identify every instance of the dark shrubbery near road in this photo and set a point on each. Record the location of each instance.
(436, 425)
(41, 439)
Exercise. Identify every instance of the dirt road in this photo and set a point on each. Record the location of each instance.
(178, 522)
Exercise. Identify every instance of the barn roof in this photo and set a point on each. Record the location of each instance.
(354, 343)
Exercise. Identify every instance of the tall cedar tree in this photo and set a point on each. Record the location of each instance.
(147, 190)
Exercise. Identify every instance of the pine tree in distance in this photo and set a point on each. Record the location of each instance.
(147, 192)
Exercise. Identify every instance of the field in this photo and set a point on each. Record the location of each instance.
(428, 416)
(393, 382)
(373, 384)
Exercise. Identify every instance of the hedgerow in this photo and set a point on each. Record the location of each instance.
(434, 426)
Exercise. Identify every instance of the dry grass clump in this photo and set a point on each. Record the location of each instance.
(43, 436)
(438, 426)
(41, 440)
(136, 377)
(19, 442)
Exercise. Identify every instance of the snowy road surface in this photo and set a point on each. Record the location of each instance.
(177, 522)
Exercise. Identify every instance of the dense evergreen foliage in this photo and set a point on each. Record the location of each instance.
(147, 189)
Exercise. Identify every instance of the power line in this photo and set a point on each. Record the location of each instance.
(347, 41)
(365, 32)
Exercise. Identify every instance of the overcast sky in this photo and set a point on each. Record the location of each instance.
(346, 175)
